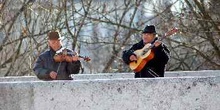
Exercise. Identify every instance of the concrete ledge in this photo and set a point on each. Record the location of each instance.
(186, 93)
(192, 73)
(118, 75)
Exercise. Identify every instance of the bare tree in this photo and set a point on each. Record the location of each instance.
(103, 29)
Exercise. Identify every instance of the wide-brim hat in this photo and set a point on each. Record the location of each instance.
(54, 35)
(149, 29)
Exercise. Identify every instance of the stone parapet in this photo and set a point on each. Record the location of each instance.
(169, 93)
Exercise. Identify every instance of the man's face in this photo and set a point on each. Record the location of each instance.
(54, 44)
(148, 37)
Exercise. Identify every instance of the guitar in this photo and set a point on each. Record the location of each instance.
(145, 54)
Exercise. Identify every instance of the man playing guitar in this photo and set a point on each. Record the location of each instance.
(154, 59)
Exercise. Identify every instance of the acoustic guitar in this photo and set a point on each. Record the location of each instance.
(145, 54)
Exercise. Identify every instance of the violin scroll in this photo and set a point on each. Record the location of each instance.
(85, 58)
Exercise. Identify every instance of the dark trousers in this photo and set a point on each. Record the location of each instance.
(147, 73)
(143, 75)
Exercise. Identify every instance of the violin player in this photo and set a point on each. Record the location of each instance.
(50, 66)
(155, 67)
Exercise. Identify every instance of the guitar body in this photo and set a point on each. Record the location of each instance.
(144, 55)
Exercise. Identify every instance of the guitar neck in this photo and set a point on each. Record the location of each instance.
(153, 44)
(161, 38)
(169, 33)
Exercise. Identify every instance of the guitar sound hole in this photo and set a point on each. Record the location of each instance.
(144, 52)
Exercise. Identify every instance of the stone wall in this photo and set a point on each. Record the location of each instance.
(169, 93)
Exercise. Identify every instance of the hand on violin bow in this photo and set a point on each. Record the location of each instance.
(53, 75)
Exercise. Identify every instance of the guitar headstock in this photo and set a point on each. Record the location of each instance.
(172, 31)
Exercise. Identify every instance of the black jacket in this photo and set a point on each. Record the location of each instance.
(156, 66)
(45, 64)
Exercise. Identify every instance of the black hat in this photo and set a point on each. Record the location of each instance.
(53, 35)
(149, 29)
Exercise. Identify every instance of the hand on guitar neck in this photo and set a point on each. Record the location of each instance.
(156, 44)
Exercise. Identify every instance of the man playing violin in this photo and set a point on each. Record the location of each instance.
(47, 67)
(154, 67)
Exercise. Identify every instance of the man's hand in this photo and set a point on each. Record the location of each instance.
(133, 58)
(53, 75)
(157, 43)
(75, 58)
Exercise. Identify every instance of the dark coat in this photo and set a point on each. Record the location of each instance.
(156, 66)
(45, 64)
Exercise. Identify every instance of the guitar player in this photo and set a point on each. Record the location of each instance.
(155, 67)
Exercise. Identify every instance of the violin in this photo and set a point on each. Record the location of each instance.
(66, 55)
